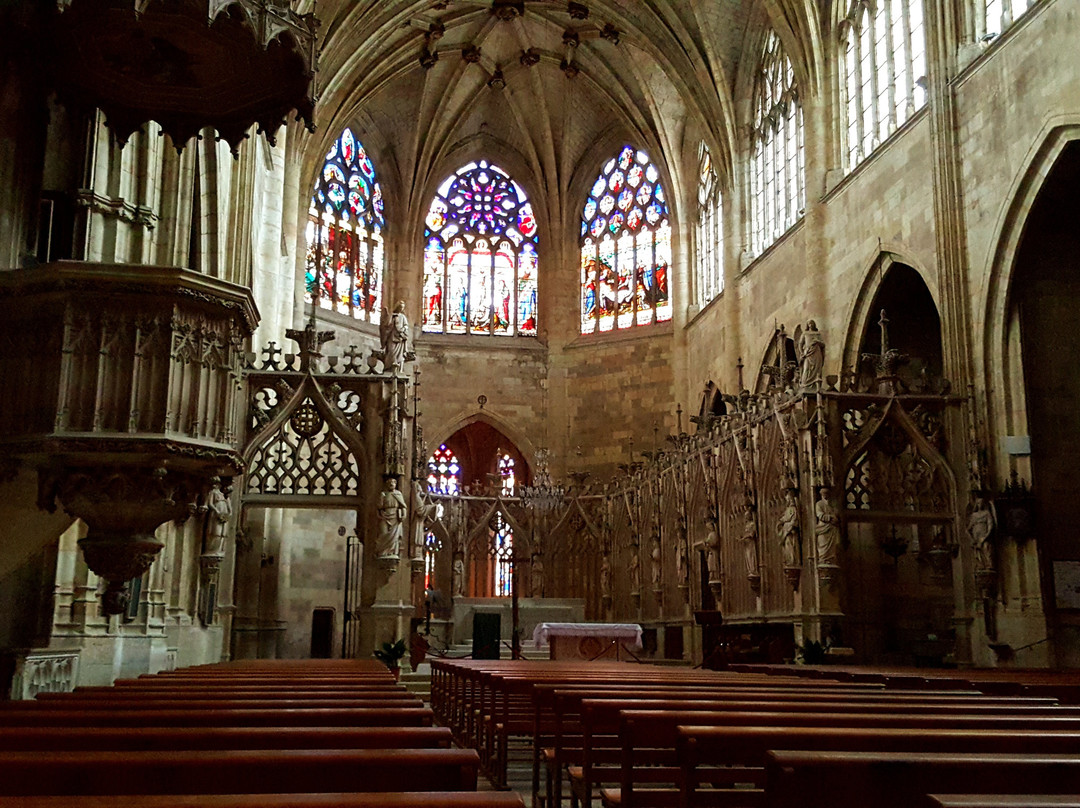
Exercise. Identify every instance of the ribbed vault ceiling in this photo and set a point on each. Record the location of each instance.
(539, 86)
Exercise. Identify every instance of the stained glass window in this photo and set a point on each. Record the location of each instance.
(777, 163)
(444, 472)
(503, 547)
(710, 231)
(625, 247)
(480, 256)
(506, 474)
(883, 43)
(345, 233)
(998, 15)
(432, 546)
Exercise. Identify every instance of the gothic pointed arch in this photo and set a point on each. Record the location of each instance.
(304, 447)
(865, 310)
(893, 466)
(480, 256)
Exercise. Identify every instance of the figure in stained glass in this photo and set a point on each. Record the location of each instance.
(481, 238)
(345, 233)
(624, 264)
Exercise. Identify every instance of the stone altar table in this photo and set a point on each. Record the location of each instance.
(588, 640)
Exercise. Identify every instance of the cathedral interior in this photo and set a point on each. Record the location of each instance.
(746, 321)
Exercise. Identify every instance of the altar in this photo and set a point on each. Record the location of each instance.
(588, 641)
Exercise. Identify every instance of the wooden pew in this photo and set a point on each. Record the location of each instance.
(217, 692)
(895, 780)
(735, 755)
(25, 739)
(324, 717)
(557, 708)
(104, 703)
(237, 771)
(622, 735)
(417, 799)
(1002, 801)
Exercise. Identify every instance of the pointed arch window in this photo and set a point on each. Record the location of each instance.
(883, 43)
(710, 231)
(777, 163)
(625, 246)
(480, 256)
(345, 233)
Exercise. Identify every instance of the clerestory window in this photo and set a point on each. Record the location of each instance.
(625, 247)
(345, 234)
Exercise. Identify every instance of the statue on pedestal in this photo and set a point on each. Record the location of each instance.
(788, 531)
(424, 512)
(712, 548)
(459, 576)
(219, 511)
(635, 573)
(394, 333)
(811, 357)
(827, 530)
(981, 524)
(536, 577)
(391, 520)
(605, 577)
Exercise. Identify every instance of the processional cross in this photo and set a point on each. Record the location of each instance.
(310, 341)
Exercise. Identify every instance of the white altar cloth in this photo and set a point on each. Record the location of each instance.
(622, 632)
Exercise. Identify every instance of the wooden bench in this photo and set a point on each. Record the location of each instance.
(418, 799)
(104, 703)
(725, 757)
(1002, 801)
(894, 780)
(57, 739)
(237, 771)
(621, 736)
(327, 717)
(217, 692)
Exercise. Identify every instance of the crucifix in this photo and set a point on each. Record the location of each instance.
(782, 374)
(310, 341)
(887, 361)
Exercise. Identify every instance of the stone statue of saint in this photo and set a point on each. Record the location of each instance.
(826, 529)
(459, 576)
(605, 576)
(394, 331)
(391, 520)
(635, 573)
(424, 512)
(536, 577)
(788, 531)
(811, 357)
(981, 524)
(749, 540)
(712, 549)
(219, 511)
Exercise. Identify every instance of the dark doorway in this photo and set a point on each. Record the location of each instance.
(1046, 290)
(322, 633)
